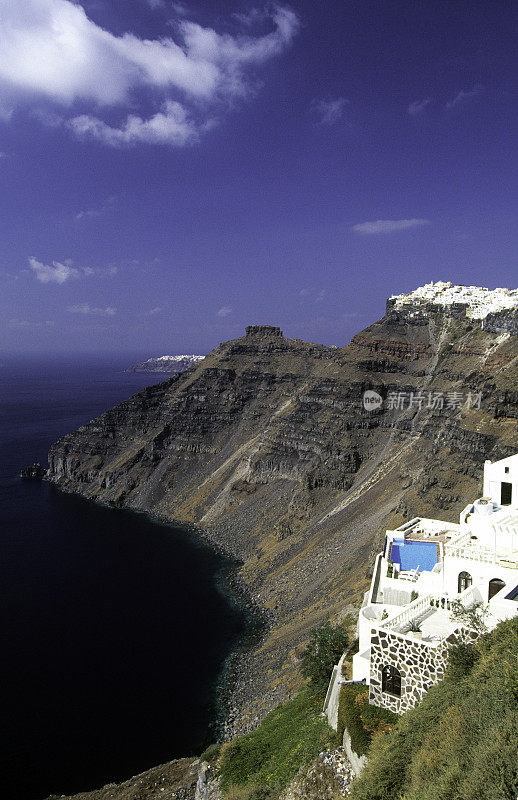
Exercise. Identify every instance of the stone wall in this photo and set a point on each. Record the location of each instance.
(420, 665)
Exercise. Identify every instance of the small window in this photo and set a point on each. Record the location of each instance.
(464, 581)
(494, 587)
(391, 680)
(506, 470)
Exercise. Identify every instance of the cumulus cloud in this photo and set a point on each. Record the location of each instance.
(329, 111)
(51, 49)
(86, 308)
(224, 311)
(418, 106)
(388, 225)
(462, 97)
(52, 273)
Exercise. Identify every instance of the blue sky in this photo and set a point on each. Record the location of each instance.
(174, 171)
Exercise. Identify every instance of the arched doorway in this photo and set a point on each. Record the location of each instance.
(494, 587)
(464, 581)
(391, 680)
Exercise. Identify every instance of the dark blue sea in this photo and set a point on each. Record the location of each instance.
(114, 629)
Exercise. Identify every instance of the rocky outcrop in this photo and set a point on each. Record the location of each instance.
(503, 322)
(207, 785)
(328, 778)
(34, 472)
(266, 447)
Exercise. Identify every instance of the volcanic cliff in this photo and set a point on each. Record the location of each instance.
(266, 445)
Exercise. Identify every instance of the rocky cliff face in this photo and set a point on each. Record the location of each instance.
(267, 446)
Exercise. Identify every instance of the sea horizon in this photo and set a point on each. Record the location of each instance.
(104, 617)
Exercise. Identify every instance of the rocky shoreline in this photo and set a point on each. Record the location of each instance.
(233, 692)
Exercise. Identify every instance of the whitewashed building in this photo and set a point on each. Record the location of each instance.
(406, 623)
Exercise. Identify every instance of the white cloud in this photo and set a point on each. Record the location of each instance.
(388, 225)
(224, 311)
(169, 126)
(314, 294)
(462, 97)
(90, 213)
(155, 310)
(85, 308)
(329, 111)
(52, 273)
(418, 106)
(26, 323)
(251, 17)
(95, 213)
(51, 49)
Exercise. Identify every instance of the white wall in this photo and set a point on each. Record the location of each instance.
(495, 474)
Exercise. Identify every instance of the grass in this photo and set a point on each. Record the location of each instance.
(288, 738)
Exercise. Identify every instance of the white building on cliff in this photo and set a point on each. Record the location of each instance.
(406, 623)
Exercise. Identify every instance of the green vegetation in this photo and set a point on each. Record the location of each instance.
(211, 753)
(461, 743)
(361, 720)
(269, 757)
(325, 648)
(472, 616)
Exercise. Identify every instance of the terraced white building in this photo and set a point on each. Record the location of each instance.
(407, 620)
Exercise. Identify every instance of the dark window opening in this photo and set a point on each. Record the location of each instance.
(506, 470)
(464, 581)
(494, 587)
(391, 680)
(506, 496)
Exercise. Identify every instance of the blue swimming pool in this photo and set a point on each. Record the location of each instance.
(413, 555)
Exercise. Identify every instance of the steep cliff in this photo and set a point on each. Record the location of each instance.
(267, 446)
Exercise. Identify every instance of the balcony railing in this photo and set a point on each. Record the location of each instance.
(471, 553)
(421, 605)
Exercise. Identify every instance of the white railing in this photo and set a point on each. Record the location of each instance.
(465, 598)
(423, 604)
(458, 541)
(415, 609)
(471, 553)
